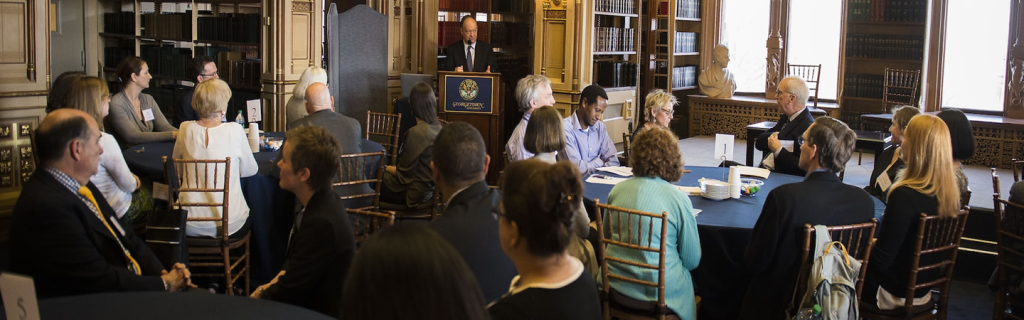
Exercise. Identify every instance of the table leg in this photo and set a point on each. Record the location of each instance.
(750, 147)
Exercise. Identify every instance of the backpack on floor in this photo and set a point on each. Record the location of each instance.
(832, 280)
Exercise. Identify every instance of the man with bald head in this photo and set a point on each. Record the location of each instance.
(320, 106)
(470, 55)
(64, 233)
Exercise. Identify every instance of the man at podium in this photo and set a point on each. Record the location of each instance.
(469, 55)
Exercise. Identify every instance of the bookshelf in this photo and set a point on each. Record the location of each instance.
(169, 34)
(878, 34)
(671, 55)
(616, 44)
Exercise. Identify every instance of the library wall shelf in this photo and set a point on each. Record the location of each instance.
(117, 35)
(613, 14)
(684, 88)
(686, 53)
(614, 53)
(617, 89)
(687, 19)
(887, 23)
(161, 39)
(227, 43)
(914, 62)
(862, 99)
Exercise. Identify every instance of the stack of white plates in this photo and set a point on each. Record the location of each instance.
(714, 189)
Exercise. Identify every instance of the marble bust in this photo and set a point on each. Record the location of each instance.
(716, 81)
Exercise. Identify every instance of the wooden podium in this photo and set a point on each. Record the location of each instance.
(473, 97)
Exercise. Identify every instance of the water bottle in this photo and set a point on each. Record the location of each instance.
(813, 313)
(240, 119)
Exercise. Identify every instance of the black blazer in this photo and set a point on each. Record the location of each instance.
(883, 161)
(483, 57)
(772, 257)
(319, 256)
(185, 112)
(57, 240)
(787, 162)
(468, 225)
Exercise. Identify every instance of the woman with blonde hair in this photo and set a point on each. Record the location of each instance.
(928, 186)
(658, 109)
(112, 178)
(208, 138)
(296, 107)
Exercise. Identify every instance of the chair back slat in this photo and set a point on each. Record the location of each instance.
(622, 222)
(362, 169)
(900, 87)
(384, 128)
(200, 176)
(939, 237)
(369, 222)
(858, 240)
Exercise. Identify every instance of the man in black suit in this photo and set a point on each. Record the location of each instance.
(64, 233)
(459, 166)
(470, 55)
(321, 245)
(791, 97)
(772, 257)
(202, 68)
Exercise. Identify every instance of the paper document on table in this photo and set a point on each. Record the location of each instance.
(693, 191)
(696, 212)
(596, 178)
(752, 171)
(622, 171)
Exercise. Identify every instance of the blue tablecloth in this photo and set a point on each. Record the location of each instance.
(725, 228)
(169, 305)
(271, 209)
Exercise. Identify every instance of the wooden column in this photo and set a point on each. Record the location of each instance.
(1014, 100)
(774, 68)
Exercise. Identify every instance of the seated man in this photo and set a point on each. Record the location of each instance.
(532, 92)
(587, 143)
(792, 100)
(773, 255)
(459, 166)
(203, 68)
(64, 233)
(322, 244)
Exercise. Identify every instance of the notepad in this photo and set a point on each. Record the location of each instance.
(622, 171)
(693, 191)
(755, 172)
(601, 179)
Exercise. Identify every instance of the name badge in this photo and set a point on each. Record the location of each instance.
(787, 144)
(117, 225)
(883, 182)
(147, 115)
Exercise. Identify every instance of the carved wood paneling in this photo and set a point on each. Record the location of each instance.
(13, 31)
(1014, 104)
(995, 146)
(774, 72)
(300, 41)
(710, 116)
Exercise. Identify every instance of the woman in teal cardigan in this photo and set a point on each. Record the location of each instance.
(656, 163)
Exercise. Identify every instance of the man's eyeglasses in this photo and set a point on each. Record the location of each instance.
(215, 74)
(496, 213)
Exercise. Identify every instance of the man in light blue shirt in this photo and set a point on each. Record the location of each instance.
(587, 143)
(532, 92)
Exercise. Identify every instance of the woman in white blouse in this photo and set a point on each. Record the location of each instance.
(113, 179)
(208, 138)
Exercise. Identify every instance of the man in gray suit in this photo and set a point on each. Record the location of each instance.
(320, 106)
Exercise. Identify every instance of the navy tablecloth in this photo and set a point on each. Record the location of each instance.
(170, 306)
(725, 228)
(271, 209)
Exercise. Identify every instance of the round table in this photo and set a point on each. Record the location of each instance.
(170, 306)
(725, 228)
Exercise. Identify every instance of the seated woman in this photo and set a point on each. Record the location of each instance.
(134, 116)
(208, 138)
(928, 186)
(535, 227)
(961, 135)
(113, 179)
(658, 110)
(544, 136)
(58, 97)
(889, 163)
(410, 183)
(655, 161)
(296, 106)
(414, 265)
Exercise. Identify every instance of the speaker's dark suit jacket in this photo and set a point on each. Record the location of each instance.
(483, 57)
(58, 241)
(319, 256)
(786, 161)
(772, 257)
(467, 223)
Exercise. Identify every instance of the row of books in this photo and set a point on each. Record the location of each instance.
(463, 5)
(614, 39)
(240, 72)
(511, 6)
(615, 6)
(689, 9)
(888, 10)
(167, 25)
(112, 56)
(683, 76)
(686, 42)
(168, 98)
(885, 46)
(119, 22)
(615, 74)
(230, 27)
(863, 85)
(166, 60)
(448, 32)
(509, 34)
(513, 67)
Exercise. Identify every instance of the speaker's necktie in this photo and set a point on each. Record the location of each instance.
(469, 59)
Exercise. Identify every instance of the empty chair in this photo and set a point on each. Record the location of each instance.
(811, 73)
